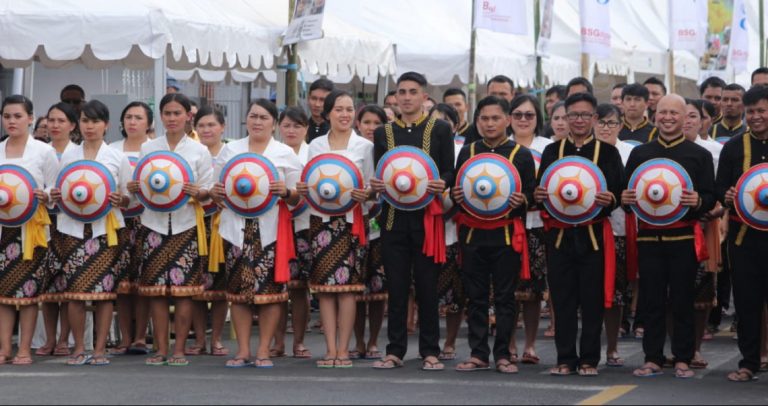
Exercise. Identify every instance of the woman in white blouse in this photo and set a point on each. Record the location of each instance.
(293, 124)
(338, 256)
(136, 122)
(257, 274)
(170, 250)
(62, 122)
(89, 252)
(23, 281)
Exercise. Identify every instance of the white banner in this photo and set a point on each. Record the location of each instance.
(307, 22)
(507, 16)
(545, 29)
(688, 29)
(739, 37)
(595, 27)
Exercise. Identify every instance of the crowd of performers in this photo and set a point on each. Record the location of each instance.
(672, 281)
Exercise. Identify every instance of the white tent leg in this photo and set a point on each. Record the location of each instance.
(18, 81)
(383, 87)
(158, 92)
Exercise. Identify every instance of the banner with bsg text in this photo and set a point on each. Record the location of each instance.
(595, 27)
(307, 22)
(507, 16)
(688, 25)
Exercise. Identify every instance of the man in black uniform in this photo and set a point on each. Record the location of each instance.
(578, 85)
(403, 235)
(669, 256)
(732, 104)
(491, 251)
(656, 90)
(746, 245)
(318, 90)
(636, 126)
(711, 90)
(457, 99)
(576, 254)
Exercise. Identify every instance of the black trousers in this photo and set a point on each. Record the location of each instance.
(750, 291)
(404, 264)
(723, 288)
(575, 273)
(480, 266)
(667, 279)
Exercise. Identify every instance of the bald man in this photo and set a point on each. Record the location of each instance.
(668, 256)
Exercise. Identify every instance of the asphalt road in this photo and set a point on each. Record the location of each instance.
(295, 381)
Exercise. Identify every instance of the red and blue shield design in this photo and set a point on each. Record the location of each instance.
(572, 184)
(488, 180)
(17, 195)
(331, 179)
(752, 197)
(85, 187)
(406, 172)
(659, 183)
(161, 176)
(246, 178)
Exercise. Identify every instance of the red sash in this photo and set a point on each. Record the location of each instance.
(434, 231)
(285, 250)
(519, 238)
(698, 235)
(358, 224)
(609, 252)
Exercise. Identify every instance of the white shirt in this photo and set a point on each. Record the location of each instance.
(199, 159)
(301, 223)
(618, 215)
(451, 232)
(40, 160)
(359, 150)
(533, 217)
(289, 169)
(121, 171)
(713, 147)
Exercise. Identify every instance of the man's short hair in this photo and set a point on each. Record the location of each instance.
(635, 89)
(733, 87)
(72, 87)
(755, 94)
(759, 71)
(619, 86)
(580, 97)
(413, 77)
(501, 79)
(580, 81)
(712, 81)
(653, 80)
(454, 91)
(321, 84)
(559, 90)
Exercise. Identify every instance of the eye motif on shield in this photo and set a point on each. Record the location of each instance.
(17, 197)
(246, 178)
(659, 183)
(161, 176)
(487, 181)
(331, 179)
(406, 171)
(85, 187)
(572, 184)
(752, 197)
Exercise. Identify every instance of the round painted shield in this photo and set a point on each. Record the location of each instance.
(246, 179)
(161, 176)
(406, 172)
(299, 209)
(722, 140)
(633, 143)
(85, 187)
(331, 179)
(487, 181)
(752, 197)
(135, 209)
(572, 184)
(536, 158)
(17, 195)
(659, 183)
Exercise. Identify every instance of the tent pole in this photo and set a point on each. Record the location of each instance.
(158, 91)
(672, 83)
(536, 31)
(585, 65)
(291, 75)
(472, 85)
(761, 8)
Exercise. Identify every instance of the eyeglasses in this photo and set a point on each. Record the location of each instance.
(517, 115)
(573, 116)
(609, 124)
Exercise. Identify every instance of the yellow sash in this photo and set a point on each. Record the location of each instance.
(34, 232)
(216, 252)
(202, 241)
(112, 226)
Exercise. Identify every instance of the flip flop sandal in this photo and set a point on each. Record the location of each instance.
(502, 368)
(219, 351)
(79, 360)
(764, 367)
(615, 362)
(263, 363)
(388, 362)
(735, 376)
(476, 365)
(304, 353)
(178, 362)
(273, 353)
(653, 372)
(99, 361)
(194, 351)
(62, 351)
(157, 361)
(588, 371)
(373, 354)
(138, 349)
(42, 352)
(530, 359)
(513, 358)
(22, 361)
(118, 351)
(432, 366)
(355, 355)
(562, 370)
(325, 363)
(682, 373)
(698, 364)
(447, 356)
(238, 363)
(342, 363)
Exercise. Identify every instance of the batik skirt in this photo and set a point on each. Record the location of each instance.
(252, 270)
(170, 264)
(338, 259)
(21, 282)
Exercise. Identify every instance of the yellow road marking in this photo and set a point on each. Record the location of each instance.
(608, 395)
